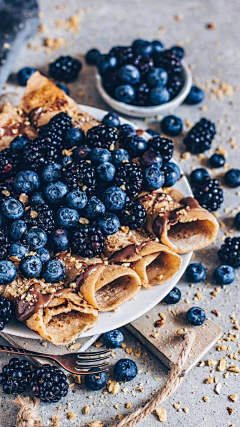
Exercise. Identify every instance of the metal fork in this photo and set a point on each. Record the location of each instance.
(76, 363)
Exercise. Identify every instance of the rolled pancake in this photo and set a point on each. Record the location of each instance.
(43, 100)
(64, 319)
(154, 262)
(75, 266)
(106, 287)
(13, 122)
(180, 223)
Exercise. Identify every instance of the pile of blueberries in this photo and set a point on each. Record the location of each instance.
(142, 74)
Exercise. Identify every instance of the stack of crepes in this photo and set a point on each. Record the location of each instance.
(131, 259)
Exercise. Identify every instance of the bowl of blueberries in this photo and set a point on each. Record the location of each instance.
(142, 80)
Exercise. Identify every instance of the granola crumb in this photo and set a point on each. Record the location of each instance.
(113, 387)
(206, 399)
(233, 397)
(162, 414)
(71, 415)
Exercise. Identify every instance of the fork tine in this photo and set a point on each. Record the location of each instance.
(89, 366)
(93, 353)
(78, 372)
(96, 359)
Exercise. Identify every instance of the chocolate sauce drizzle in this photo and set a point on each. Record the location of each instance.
(126, 253)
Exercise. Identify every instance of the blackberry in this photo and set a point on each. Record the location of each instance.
(101, 136)
(15, 376)
(164, 146)
(4, 244)
(87, 240)
(9, 164)
(145, 64)
(49, 383)
(169, 61)
(40, 216)
(124, 54)
(200, 137)
(80, 175)
(51, 134)
(229, 253)
(56, 129)
(209, 194)
(39, 152)
(130, 176)
(65, 68)
(110, 81)
(133, 215)
(142, 94)
(174, 85)
(6, 310)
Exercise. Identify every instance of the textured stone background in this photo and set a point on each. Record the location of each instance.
(215, 58)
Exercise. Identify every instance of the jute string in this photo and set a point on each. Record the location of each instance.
(28, 413)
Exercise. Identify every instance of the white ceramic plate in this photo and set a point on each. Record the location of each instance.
(134, 111)
(145, 298)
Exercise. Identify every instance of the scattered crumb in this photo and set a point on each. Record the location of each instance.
(162, 414)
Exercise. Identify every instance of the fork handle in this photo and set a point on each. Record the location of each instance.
(22, 351)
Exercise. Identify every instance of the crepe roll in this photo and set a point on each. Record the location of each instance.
(179, 222)
(13, 122)
(106, 287)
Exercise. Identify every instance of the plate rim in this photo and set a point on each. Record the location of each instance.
(19, 329)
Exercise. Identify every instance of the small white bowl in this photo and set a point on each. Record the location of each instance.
(134, 111)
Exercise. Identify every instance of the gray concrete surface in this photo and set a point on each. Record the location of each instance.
(215, 58)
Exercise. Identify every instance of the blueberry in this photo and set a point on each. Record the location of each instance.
(129, 74)
(136, 145)
(142, 47)
(196, 316)
(157, 46)
(43, 254)
(67, 217)
(178, 51)
(24, 74)
(18, 250)
(12, 208)
(224, 275)
(195, 96)
(114, 198)
(197, 176)
(96, 381)
(19, 142)
(152, 132)
(18, 229)
(151, 157)
(153, 177)
(125, 370)
(26, 182)
(51, 172)
(74, 137)
(109, 223)
(159, 96)
(125, 131)
(36, 238)
(105, 63)
(171, 173)
(59, 240)
(8, 272)
(106, 171)
(195, 273)
(173, 297)
(30, 266)
(94, 208)
(37, 198)
(125, 93)
(81, 153)
(66, 160)
(76, 199)
(64, 88)
(55, 192)
(237, 221)
(100, 155)
(171, 125)
(113, 339)
(111, 119)
(1, 220)
(157, 77)
(217, 160)
(54, 271)
(232, 178)
(92, 56)
(119, 156)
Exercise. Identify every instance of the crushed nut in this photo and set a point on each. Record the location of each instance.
(162, 414)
